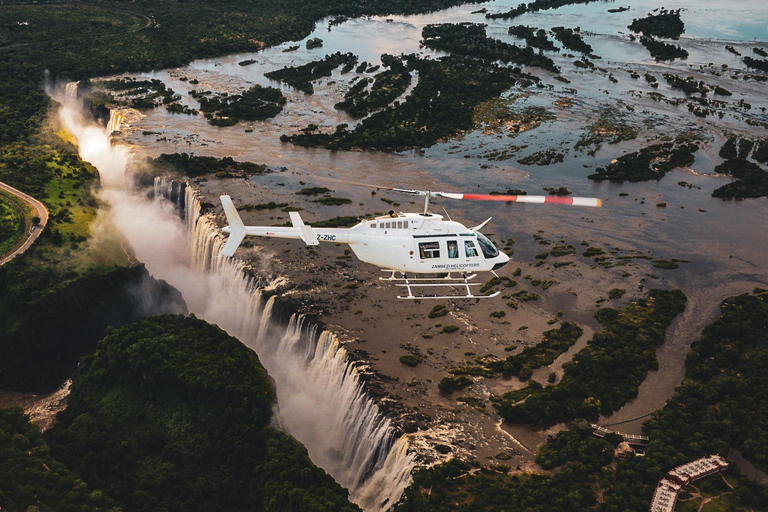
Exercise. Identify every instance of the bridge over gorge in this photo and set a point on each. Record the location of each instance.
(631, 439)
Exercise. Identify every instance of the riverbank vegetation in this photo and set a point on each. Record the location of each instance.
(572, 40)
(255, 104)
(471, 40)
(607, 373)
(751, 178)
(371, 94)
(665, 23)
(301, 77)
(536, 38)
(663, 51)
(191, 165)
(440, 105)
(553, 343)
(720, 407)
(650, 163)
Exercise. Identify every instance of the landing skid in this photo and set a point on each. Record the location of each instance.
(437, 282)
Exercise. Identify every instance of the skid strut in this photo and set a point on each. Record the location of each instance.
(409, 283)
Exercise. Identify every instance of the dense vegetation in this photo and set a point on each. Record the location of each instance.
(650, 163)
(664, 24)
(13, 223)
(32, 477)
(255, 104)
(458, 486)
(761, 64)
(553, 343)
(173, 414)
(301, 77)
(663, 51)
(134, 93)
(536, 5)
(470, 40)
(425, 116)
(721, 405)
(49, 318)
(571, 39)
(360, 100)
(536, 38)
(190, 165)
(607, 373)
(751, 179)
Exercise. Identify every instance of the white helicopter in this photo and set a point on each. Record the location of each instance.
(419, 243)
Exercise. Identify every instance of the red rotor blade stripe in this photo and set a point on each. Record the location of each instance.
(567, 200)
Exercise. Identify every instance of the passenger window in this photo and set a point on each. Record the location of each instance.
(373, 225)
(386, 225)
(399, 224)
(428, 250)
(453, 249)
(470, 249)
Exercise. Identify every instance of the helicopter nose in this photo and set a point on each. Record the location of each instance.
(503, 259)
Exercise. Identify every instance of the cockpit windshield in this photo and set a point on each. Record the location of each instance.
(489, 250)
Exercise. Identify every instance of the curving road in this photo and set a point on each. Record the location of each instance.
(38, 210)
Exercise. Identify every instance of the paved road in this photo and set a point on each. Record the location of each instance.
(38, 210)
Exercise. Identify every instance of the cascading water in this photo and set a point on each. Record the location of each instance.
(70, 91)
(115, 121)
(320, 398)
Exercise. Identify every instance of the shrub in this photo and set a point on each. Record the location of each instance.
(410, 360)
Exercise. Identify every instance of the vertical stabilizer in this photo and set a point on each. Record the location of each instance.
(236, 226)
(307, 234)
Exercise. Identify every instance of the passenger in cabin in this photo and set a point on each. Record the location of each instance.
(453, 249)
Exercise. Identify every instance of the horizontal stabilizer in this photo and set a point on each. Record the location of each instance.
(236, 227)
(307, 234)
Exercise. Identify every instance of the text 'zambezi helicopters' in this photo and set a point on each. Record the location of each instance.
(416, 243)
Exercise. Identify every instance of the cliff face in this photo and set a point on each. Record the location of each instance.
(44, 334)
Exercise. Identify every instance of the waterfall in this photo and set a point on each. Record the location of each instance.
(320, 401)
(346, 434)
(115, 121)
(70, 91)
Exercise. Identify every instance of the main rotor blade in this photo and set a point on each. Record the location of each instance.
(568, 200)
(368, 185)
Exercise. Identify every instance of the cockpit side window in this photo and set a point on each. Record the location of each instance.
(469, 248)
(489, 250)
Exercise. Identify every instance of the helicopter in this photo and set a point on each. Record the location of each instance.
(415, 243)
